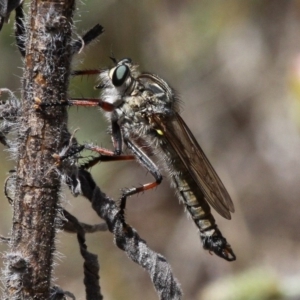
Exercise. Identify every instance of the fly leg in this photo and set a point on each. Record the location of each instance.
(104, 156)
(91, 102)
(149, 165)
(107, 155)
(116, 137)
(86, 102)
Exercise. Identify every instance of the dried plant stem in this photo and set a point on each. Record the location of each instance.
(40, 134)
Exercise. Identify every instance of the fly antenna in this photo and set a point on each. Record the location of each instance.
(113, 58)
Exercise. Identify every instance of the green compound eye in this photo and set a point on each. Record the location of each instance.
(120, 75)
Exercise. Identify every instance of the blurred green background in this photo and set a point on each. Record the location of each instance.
(236, 66)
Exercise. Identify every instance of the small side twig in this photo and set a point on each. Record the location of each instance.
(56, 293)
(91, 265)
(70, 227)
(4, 239)
(87, 38)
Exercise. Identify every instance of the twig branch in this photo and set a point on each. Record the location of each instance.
(91, 265)
(127, 239)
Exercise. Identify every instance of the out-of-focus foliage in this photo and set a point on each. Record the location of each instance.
(254, 284)
(236, 67)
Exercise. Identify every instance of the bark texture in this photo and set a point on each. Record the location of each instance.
(40, 135)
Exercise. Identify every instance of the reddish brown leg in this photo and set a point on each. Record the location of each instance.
(91, 102)
(110, 154)
(149, 165)
(105, 158)
(107, 155)
(85, 72)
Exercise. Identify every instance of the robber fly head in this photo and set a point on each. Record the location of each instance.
(118, 81)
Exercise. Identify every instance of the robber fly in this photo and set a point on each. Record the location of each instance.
(144, 114)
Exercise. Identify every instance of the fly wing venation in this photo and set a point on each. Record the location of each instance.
(185, 145)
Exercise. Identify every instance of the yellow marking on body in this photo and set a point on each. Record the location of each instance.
(159, 131)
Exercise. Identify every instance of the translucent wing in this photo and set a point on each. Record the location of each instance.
(180, 137)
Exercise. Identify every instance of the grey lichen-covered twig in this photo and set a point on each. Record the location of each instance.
(127, 239)
(28, 263)
(91, 265)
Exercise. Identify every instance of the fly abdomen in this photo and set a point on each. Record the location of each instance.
(211, 237)
(197, 207)
(195, 204)
(204, 221)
